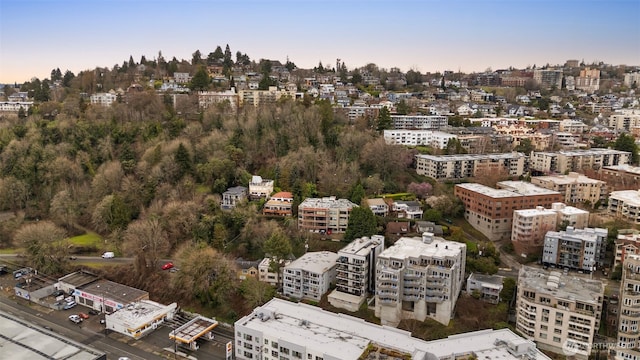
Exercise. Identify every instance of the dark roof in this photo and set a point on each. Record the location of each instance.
(79, 278)
(121, 293)
(398, 227)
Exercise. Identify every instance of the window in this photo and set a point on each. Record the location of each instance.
(556, 339)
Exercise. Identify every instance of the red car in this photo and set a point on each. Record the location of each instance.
(83, 316)
(167, 266)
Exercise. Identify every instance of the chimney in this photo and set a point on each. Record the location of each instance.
(427, 237)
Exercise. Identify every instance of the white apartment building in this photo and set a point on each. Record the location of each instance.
(566, 140)
(281, 329)
(356, 272)
(627, 243)
(571, 216)
(419, 278)
(310, 276)
(576, 160)
(573, 126)
(579, 249)
(266, 275)
(626, 120)
(632, 78)
(422, 122)
(260, 188)
(493, 121)
(628, 334)
(209, 98)
(625, 204)
(103, 99)
(558, 311)
(529, 229)
(14, 106)
(437, 139)
(451, 167)
(576, 187)
(326, 214)
(181, 77)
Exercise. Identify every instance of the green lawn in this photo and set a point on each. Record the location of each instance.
(88, 239)
(11, 251)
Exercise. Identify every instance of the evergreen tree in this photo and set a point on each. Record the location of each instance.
(183, 159)
(384, 119)
(362, 222)
(200, 80)
(357, 193)
(626, 142)
(131, 62)
(196, 58)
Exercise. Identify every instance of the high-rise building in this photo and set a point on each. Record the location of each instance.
(419, 278)
(558, 311)
(628, 330)
(356, 272)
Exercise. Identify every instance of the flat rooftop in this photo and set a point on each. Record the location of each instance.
(193, 329)
(327, 203)
(26, 341)
(539, 211)
(525, 188)
(488, 191)
(471, 157)
(496, 280)
(317, 262)
(624, 168)
(569, 179)
(342, 336)
(407, 247)
(79, 278)
(630, 197)
(121, 293)
(142, 312)
(557, 284)
(583, 152)
(362, 246)
(567, 210)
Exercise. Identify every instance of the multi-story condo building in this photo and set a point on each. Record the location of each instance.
(576, 160)
(566, 140)
(419, 278)
(266, 273)
(14, 106)
(627, 243)
(628, 347)
(356, 272)
(529, 229)
(437, 139)
(625, 204)
(264, 97)
(457, 167)
(579, 249)
(280, 204)
(548, 78)
(490, 210)
(260, 188)
(620, 177)
(558, 312)
(181, 77)
(589, 80)
(103, 99)
(573, 126)
(422, 122)
(632, 78)
(282, 329)
(209, 98)
(571, 216)
(310, 276)
(626, 120)
(326, 214)
(576, 187)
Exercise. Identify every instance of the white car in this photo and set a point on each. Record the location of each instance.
(75, 318)
(108, 255)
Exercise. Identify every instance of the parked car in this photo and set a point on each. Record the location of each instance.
(94, 312)
(73, 257)
(57, 293)
(167, 266)
(3, 270)
(108, 255)
(69, 305)
(83, 315)
(75, 318)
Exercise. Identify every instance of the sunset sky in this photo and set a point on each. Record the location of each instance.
(37, 36)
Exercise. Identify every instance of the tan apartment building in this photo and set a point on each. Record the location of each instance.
(490, 210)
(620, 177)
(571, 216)
(529, 228)
(558, 311)
(576, 187)
(625, 204)
(564, 161)
(628, 330)
(457, 167)
(324, 215)
(627, 243)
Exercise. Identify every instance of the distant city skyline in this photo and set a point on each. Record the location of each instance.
(37, 36)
